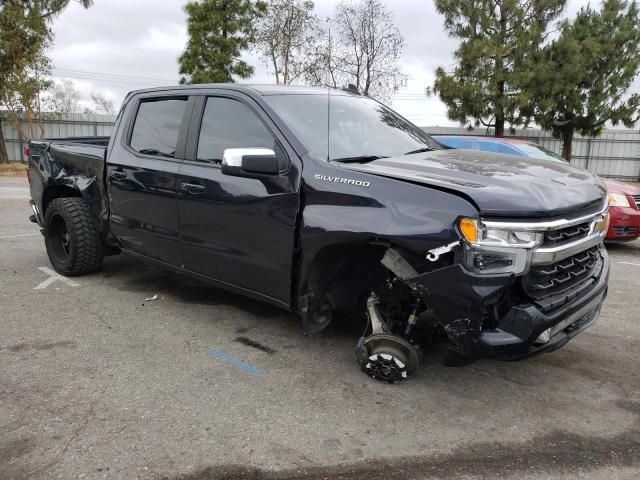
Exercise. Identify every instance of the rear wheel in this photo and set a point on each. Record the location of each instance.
(71, 238)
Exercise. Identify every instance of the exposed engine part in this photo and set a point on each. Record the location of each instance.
(413, 316)
(387, 358)
(398, 265)
(434, 254)
(377, 323)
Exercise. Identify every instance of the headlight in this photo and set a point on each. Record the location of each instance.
(493, 250)
(478, 234)
(602, 224)
(618, 200)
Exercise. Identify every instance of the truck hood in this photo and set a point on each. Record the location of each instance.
(498, 185)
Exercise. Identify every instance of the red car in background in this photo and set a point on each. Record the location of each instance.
(624, 199)
(624, 205)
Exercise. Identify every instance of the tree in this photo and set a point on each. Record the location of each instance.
(219, 31)
(365, 50)
(325, 53)
(24, 36)
(102, 104)
(63, 97)
(284, 37)
(493, 58)
(587, 71)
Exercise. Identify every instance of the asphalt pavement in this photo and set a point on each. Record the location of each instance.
(136, 373)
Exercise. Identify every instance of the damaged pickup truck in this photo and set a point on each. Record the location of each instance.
(323, 201)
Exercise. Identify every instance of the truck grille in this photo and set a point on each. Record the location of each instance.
(554, 238)
(550, 286)
(636, 198)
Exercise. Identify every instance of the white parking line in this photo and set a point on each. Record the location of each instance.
(630, 263)
(53, 276)
(22, 235)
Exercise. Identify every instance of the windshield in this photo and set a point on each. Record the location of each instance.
(537, 151)
(348, 127)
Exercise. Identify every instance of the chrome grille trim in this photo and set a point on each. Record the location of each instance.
(545, 256)
(544, 226)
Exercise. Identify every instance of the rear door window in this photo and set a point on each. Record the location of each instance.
(156, 127)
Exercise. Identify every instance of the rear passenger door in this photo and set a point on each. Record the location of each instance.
(142, 171)
(237, 230)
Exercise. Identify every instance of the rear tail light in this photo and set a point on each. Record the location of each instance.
(25, 149)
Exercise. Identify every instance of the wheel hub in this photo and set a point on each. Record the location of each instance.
(388, 358)
(386, 367)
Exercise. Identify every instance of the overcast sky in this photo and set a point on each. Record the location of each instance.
(121, 45)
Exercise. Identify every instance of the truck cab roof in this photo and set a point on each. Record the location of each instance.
(252, 89)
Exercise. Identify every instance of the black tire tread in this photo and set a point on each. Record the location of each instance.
(87, 252)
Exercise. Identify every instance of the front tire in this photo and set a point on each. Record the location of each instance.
(71, 238)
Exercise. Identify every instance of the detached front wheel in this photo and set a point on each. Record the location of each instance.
(71, 238)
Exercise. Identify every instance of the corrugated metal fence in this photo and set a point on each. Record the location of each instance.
(57, 126)
(616, 153)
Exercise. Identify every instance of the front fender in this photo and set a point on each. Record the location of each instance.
(371, 210)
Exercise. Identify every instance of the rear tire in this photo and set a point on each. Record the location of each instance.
(71, 237)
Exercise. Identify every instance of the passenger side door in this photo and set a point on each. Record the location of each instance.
(238, 230)
(142, 174)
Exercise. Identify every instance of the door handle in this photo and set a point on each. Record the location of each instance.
(193, 188)
(117, 175)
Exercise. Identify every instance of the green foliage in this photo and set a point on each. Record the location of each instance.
(24, 36)
(493, 58)
(584, 75)
(219, 30)
(23, 66)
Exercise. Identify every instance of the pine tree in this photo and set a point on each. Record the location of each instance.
(219, 31)
(584, 75)
(497, 37)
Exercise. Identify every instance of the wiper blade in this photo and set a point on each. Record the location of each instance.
(419, 150)
(359, 159)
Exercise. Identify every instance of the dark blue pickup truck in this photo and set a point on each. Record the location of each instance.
(321, 201)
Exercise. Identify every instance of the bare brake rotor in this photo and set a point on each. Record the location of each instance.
(387, 358)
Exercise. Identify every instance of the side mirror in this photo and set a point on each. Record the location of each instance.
(249, 162)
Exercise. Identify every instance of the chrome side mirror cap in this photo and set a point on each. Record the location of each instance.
(249, 162)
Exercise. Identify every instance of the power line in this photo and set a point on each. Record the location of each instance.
(139, 80)
(99, 77)
(112, 75)
(111, 81)
(130, 81)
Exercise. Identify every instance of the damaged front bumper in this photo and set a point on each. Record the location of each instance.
(465, 303)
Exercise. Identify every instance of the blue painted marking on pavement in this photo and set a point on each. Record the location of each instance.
(236, 362)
